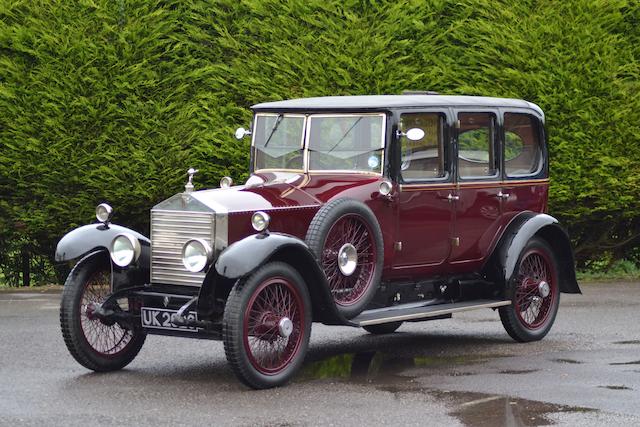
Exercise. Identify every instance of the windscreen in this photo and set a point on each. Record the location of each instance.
(278, 142)
(346, 143)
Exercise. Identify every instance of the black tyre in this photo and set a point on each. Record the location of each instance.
(94, 344)
(346, 239)
(266, 326)
(385, 328)
(534, 292)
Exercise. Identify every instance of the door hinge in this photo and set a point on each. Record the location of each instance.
(455, 241)
(398, 246)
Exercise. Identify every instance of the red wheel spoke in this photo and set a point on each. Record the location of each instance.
(531, 306)
(349, 229)
(269, 351)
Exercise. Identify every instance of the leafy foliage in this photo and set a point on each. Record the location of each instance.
(113, 100)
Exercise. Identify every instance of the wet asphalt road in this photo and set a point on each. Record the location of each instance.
(461, 371)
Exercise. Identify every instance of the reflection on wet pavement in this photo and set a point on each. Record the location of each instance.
(394, 375)
(571, 361)
(378, 366)
(615, 387)
(477, 409)
(518, 371)
(633, 362)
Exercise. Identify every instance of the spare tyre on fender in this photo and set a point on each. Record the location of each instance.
(346, 239)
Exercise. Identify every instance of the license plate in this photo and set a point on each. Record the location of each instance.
(159, 318)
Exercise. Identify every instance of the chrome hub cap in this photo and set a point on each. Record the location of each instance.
(347, 259)
(285, 327)
(544, 289)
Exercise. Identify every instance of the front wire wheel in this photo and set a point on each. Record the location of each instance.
(266, 326)
(535, 294)
(96, 345)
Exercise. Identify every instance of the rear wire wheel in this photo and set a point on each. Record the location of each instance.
(534, 292)
(347, 241)
(94, 344)
(266, 326)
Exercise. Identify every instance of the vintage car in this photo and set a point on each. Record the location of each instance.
(366, 211)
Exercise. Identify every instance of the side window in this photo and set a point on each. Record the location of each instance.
(522, 147)
(476, 157)
(422, 153)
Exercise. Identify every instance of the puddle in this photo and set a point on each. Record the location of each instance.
(615, 387)
(518, 371)
(628, 342)
(377, 365)
(570, 361)
(634, 362)
(478, 409)
(386, 372)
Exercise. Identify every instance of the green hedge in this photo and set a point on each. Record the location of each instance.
(113, 100)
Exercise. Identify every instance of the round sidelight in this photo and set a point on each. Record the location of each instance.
(196, 255)
(385, 188)
(260, 221)
(104, 212)
(226, 182)
(125, 249)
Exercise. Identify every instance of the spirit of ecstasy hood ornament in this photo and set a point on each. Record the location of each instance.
(188, 188)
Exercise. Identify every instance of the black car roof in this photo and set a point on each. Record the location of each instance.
(387, 102)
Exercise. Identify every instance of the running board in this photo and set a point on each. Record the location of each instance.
(413, 311)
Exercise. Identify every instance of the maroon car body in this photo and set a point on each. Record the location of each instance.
(364, 211)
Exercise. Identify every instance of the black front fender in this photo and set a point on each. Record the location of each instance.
(518, 233)
(97, 237)
(87, 238)
(245, 256)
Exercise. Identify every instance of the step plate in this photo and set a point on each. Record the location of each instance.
(405, 312)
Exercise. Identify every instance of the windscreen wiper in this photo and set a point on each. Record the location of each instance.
(346, 133)
(273, 130)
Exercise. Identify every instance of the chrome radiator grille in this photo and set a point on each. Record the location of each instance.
(170, 230)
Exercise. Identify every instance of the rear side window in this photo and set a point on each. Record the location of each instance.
(476, 157)
(422, 158)
(522, 145)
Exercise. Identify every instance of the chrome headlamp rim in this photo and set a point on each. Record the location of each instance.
(260, 221)
(104, 213)
(133, 251)
(206, 254)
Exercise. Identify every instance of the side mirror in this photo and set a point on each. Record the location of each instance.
(413, 134)
(241, 133)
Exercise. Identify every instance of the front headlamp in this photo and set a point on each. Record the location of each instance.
(196, 255)
(125, 249)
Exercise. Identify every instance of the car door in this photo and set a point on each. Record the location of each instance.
(424, 212)
(478, 202)
(525, 173)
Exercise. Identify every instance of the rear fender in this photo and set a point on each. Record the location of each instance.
(523, 227)
(245, 256)
(97, 237)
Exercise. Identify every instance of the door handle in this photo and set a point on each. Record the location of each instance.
(502, 196)
(451, 198)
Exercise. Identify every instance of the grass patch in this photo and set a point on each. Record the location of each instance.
(619, 270)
